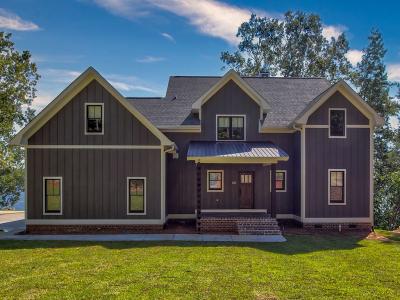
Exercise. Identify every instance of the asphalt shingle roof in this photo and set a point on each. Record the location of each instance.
(288, 97)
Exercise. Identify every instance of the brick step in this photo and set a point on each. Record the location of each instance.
(258, 227)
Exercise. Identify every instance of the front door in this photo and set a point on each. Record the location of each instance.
(246, 189)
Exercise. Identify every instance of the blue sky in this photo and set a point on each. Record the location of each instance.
(136, 45)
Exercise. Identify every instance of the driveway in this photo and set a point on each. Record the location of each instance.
(11, 222)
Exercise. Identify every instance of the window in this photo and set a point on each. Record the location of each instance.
(52, 195)
(94, 118)
(230, 128)
(136, 195)
(337, 187)
(215, 181)
(280, 181)
(337, 123)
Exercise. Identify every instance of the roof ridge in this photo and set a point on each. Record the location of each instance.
(259, 77)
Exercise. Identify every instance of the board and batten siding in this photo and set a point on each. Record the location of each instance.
(94, 181)
(181, 174)
(351, 153)
(94, 178)
(67, 127)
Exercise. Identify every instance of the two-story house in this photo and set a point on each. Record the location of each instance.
(226, 151)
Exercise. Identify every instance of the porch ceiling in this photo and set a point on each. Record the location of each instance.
(236, 152)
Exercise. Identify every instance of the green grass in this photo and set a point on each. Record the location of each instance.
(306, 267)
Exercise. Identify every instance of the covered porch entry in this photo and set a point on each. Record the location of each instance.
(235, 185)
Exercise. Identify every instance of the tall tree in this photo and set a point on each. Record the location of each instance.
(374, 87)
(292, 47)
(18, 78)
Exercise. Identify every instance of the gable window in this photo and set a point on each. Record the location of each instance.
(230, 128)
(215, 181)
(52, 195)
(337, 123)
(280, 181)
(337, 187)
(136, 195)
(94, 117)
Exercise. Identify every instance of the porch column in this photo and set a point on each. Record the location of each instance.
(273, 191)
(198, 195)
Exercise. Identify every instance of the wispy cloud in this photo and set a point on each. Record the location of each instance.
(168, 36)
(11, 21)
(332, 31)
(394, 72)
(131, 84)
(59, 75)
(150, 59)
(354, 56)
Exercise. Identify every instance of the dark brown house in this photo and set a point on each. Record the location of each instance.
(227, 151)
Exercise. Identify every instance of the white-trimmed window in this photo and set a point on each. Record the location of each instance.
(337, 123)
(337, 186)
(280, 180)
(231, 127)
(215, 180)
(94, 118)
(52, 195)
(136, 195)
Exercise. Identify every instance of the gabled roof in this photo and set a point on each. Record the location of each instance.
(21, 138)
(231, 75)
(287, 97)
(342, 87)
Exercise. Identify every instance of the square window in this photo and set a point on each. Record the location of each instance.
(215, 181)
(230, 128)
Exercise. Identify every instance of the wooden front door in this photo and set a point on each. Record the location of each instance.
(246, 189)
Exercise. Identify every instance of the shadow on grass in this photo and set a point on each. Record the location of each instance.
(296, 244)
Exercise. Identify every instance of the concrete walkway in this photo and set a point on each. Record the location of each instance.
(14, 222)
(147, 237)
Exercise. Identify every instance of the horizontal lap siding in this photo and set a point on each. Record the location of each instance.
(67, 127)
(351, 154)
(94, 181)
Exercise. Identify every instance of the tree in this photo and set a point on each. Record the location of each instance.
(18, 78)
(374, 87)
(292, 47)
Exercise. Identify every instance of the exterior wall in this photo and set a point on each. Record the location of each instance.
(321, 115)
(351, 153)
(181, 174)
(94, 181)
(296, 163)
(67, 127)
(94, 178)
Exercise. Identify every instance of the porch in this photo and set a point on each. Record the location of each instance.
(238, 194)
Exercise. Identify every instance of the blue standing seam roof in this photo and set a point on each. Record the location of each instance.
(236, 149)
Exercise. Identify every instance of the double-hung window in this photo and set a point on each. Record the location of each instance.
(230, 128)
(136, 195)
(52, 195)
(215, 181)
(337, 123)
(280, 180)
(94, 118)
(337, 186)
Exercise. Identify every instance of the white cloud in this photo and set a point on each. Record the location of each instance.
(42, 99)
(394, 72)
(331, 31)
(59, 75)
(210, 17)
(11, 21)
(150, 59)
(168, 36)
(354, 56)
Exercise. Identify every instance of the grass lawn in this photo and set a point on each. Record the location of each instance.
(320, 266)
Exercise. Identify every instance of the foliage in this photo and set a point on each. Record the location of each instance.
(373, 86)
(18, 78)
(293, 47)
(305, 267)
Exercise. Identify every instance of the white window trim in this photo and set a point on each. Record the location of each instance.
(270, 181)
(345, 123)
(102, 118)
(44, 196)
(144, 200)
(230, 115)
(208, 181)
(329, 186)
